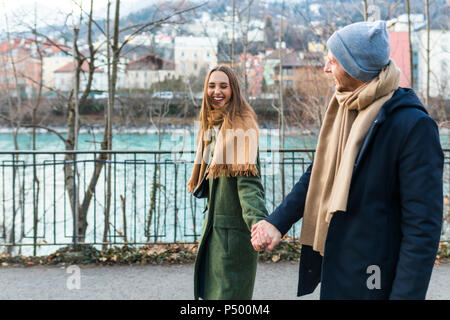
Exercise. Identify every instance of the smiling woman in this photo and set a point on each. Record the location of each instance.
(225, 267)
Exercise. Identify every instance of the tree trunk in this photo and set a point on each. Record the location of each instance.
(408, 9)
(281, 113)
(232, 35)
(108, 123)
(36, 183)
(365, 10)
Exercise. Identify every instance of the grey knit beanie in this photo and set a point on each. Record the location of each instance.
(361, 48)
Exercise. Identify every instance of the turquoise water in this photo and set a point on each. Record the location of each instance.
(183, 140)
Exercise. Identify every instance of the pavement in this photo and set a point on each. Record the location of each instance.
(274, 281)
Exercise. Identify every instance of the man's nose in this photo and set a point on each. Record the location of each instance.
(326, 68)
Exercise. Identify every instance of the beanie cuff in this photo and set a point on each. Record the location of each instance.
(343, 56)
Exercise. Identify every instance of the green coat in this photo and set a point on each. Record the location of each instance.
(226, 261)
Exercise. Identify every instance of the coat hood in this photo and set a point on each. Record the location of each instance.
(403, 97)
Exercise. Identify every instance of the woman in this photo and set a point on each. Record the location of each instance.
(225, 267)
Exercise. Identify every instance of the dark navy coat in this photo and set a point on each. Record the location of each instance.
(392, 225)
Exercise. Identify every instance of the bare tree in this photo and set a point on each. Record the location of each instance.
(17, 122)
(232, 37)
(281, 120)
(365, 10)
(408, 10)
(245, 24)
(427, 13)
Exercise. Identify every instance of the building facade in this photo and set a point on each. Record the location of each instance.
(145, 71)
(64, 78)
(194, 54)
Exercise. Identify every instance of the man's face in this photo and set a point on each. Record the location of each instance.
(342, 80)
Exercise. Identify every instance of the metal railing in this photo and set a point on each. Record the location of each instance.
(149, 201)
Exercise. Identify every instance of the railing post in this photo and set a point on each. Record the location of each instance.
(13, 235)
(175, 202)
(34, 206)
(75, 203)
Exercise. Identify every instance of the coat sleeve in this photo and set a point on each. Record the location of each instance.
(251, 198)
(420, 180)
(292, 207)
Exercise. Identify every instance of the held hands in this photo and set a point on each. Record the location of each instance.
(265, 236)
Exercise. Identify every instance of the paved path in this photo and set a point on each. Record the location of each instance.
(273, 281)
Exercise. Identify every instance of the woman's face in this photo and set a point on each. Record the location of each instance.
(219, 90)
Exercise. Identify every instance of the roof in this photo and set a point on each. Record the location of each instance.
(47, 47)
(151, 62)
(6, 46)
(69, 67)
(274, 54)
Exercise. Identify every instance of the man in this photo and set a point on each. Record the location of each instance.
(371, 202)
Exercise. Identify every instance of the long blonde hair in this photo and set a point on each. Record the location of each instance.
(237, 107)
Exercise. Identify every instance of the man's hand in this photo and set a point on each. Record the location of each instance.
(265, 236)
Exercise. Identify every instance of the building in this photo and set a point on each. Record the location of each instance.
(147, 70)
(254, 67)
(303, 72)
(439, 63)
(54, 57)
(142, 39)
(401, 22)
(400, 53)
(439, 55)
(64, 78)
(192, 54)
(20, 68)
(272, 59)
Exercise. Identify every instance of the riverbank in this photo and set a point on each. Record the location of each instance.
(157, 254)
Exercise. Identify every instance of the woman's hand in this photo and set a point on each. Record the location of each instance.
(265, 236)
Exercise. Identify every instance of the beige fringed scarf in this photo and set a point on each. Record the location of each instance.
(235, 150)
(346, 123)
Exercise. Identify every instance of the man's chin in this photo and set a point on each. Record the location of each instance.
(341, 88)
